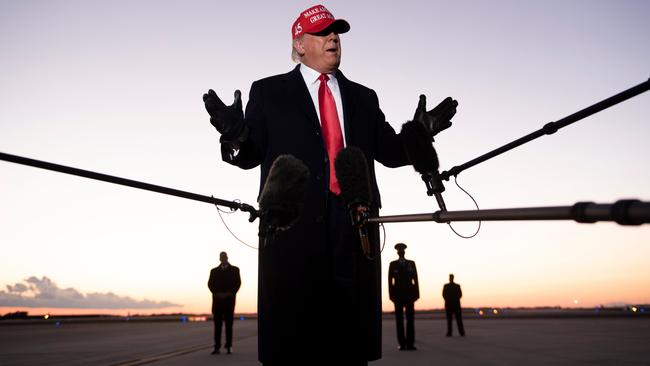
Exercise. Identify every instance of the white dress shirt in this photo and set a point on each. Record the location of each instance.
(310, 76)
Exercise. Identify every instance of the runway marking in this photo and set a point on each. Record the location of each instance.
(164, 356)
(180, 352)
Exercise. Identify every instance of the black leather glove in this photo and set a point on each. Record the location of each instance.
(437, 119)
(228, 120)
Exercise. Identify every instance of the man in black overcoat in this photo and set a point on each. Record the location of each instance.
(452, 293)
(319, 296)
(404, 290)
(224, 282)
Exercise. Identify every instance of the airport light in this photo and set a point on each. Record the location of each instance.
(198, 318)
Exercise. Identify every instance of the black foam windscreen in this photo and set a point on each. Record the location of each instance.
(352, 174)
(283, 194)
(419, 148)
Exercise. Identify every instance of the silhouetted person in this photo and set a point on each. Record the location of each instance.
(224, 283)
(452, 293)
(403, 290)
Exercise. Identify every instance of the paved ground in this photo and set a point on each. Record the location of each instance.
(566, 341)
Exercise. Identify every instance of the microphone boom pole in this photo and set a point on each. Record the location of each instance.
(623, 212)
(129, 183)
(552, 127)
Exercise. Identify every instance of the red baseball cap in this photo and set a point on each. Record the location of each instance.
(316, 19)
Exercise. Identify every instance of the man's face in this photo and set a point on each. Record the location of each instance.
(223, 257)
(321, 51)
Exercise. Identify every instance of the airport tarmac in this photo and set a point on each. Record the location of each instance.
(524, 341)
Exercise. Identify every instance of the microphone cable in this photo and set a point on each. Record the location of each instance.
(384, 243)
(476, 204)
(219, 211)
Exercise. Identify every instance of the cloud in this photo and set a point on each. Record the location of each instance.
(44, 293)
(19, 287)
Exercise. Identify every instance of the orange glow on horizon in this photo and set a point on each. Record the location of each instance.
(53, 312)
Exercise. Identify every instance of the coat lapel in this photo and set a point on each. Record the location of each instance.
(298, 92)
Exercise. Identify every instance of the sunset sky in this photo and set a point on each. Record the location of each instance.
(115, 87)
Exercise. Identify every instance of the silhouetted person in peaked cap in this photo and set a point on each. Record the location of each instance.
(224, 283)
(452, 293)
(404, 290)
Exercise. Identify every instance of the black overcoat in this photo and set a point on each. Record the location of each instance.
(317, 293)
(452, 293)
(403, 286)
(223, 280)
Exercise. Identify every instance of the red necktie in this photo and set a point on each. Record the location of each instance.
(329, 119)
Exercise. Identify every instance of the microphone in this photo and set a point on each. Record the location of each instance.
(352, 173)
(283, 195)
(424, 158)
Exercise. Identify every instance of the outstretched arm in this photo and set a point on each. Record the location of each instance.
(228, 120)
(242, 138)
(439, 118)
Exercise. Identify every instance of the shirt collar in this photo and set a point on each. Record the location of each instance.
(311, 76)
